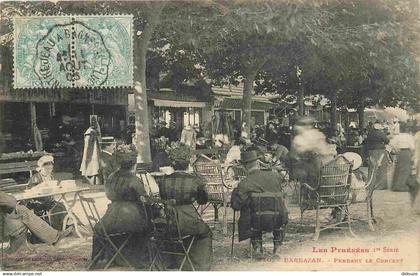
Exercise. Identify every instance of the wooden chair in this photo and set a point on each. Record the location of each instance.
(369, 189)
(167, 238)
(332, 192)
(92, 214)
(216, 188)
(268, 214)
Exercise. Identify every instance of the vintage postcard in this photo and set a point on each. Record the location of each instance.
(209, 136)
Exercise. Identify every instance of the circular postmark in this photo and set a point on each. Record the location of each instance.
(72, 55)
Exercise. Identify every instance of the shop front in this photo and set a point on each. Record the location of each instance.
(55, 120)
(170, 112)
(233, 107)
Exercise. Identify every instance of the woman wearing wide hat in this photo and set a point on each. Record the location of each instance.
(126, 214)
(375, 143)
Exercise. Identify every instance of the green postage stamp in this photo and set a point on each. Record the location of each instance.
(73, 51)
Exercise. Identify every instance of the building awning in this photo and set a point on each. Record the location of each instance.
(229, 103)
(170, 98)
(114, 96)
(169, 103)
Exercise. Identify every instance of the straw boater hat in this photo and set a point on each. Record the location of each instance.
(108, 140)
(355, 158)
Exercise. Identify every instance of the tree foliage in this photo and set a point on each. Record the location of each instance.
(361, 52)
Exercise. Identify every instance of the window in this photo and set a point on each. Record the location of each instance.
(192, 116)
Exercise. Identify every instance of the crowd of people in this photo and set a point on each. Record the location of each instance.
(310, 148)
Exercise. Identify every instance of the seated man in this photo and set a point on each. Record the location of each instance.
(190, 222)
(18, 219)
(257, 181)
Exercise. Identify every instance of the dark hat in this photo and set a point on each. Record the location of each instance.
(249, 156)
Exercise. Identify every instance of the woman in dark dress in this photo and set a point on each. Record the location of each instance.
(51, 210)
(125, 213)
(178, 185)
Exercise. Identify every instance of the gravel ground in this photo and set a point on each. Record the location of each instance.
(398, 228)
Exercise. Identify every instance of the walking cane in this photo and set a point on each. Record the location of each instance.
(233, 235)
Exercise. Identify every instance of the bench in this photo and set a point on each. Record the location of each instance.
(10, 185)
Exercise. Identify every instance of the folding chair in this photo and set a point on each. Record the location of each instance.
(92, 214)
(217, 190)
(268, 214)
(370, 187)
(167, 235)
(332, 192)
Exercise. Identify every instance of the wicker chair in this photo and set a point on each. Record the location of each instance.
(332, 192)
(217, 190)
(369, 189)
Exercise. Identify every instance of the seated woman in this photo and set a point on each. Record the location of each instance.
(190, 222)
(125, 213)
(52, 211)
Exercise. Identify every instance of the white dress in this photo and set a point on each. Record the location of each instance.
(90, 161)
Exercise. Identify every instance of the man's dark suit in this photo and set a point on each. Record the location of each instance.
(108, 165)
(257, 181)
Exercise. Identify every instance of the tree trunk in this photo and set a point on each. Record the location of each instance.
(300, 100)
(142, 139)
(361, 113)
(247, 100)
(334, 112)
(252, 67)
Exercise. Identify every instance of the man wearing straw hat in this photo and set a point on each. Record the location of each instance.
(107, 159)
(257, 181)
